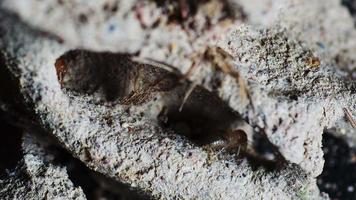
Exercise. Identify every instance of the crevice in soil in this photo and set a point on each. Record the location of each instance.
(339, 174)
(94, 185)
(350, 5)
(10, 149)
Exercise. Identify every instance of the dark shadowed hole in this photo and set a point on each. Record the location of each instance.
(338, 178)
(94, 185)
(268, 154)
(350, 5)
(13, 119)
(10, 148)
(203, 118)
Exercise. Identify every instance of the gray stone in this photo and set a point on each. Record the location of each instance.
(133, 149)
(37, 177)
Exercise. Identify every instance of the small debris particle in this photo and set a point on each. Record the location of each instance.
(350, 189)
(314, 62)
(321, 45)
(83, 18)
(111, 28)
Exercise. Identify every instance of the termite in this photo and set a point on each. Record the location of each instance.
(112, 77)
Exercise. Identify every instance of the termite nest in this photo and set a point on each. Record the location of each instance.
(202, 117)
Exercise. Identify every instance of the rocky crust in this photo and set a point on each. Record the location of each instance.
(204, 100)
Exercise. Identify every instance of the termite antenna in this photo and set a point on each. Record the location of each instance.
(191, 88)
(238, 151)
(349, 117)
(162, 65)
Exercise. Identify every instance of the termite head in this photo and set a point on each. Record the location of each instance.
(236, 138)
(233, 141)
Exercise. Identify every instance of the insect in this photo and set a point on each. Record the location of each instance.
(130, 80)
(111, 77)
(349, 117)
(231, 141)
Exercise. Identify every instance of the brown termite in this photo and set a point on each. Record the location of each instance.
(112, 77)
(126, 79)
(236, 142)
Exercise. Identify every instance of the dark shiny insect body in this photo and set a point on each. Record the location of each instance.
(232, 141)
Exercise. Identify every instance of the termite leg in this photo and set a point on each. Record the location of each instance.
(238, 151)
(349, 117)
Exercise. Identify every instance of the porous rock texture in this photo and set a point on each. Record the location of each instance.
(296, 67)
(131, 149)
(37, 177)
(293, 100)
